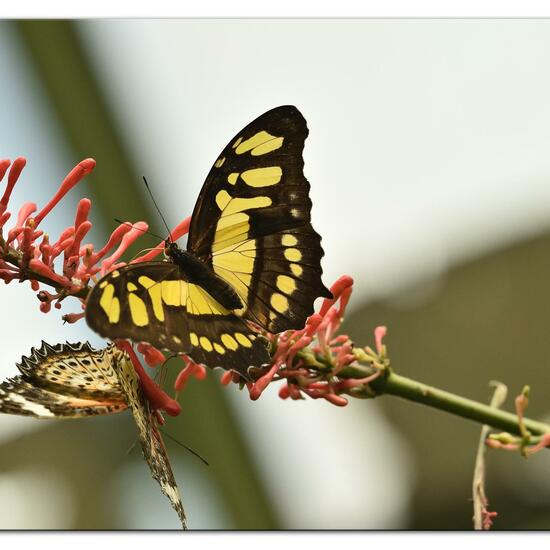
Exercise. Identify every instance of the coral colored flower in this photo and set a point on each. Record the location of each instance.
(158, 399)
(191, 369)
(153, 357)
(67, 265)
(312, 359)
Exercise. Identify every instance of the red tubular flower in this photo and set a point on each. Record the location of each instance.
(379, 334)
(73, 317)
(4, 165)
(82, 211)
(179, 231)
(24, 212)
(90, 258)
(72, 257)
(158, 399)
(73, 177)
(261, 384)
(13, 176)
(136, 230)
(153, 357)
(191, 369)
(227, 378)
(42, 269)
(4, 218)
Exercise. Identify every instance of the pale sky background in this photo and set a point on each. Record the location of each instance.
(428, 146)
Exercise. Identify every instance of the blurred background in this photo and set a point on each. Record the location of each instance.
(430, 173)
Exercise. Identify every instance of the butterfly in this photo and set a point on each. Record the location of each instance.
(252, 258)
(76, 381)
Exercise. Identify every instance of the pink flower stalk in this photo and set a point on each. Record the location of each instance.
(27, 253)
(298, 354)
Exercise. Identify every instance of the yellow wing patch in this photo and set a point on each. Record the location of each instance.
(231, 205)
(293, 254)
(110, 303)
(259, 144)
(229, 342)
(138, 310)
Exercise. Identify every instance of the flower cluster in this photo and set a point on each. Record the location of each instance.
(26, 252)
(317, 362)
(313, 361)
(68, 265)
(527, 444)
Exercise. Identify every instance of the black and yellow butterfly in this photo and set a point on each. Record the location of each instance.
(252, 257)
(76, 381)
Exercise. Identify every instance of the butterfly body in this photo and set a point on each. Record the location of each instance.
(197, 272)
(252, 258)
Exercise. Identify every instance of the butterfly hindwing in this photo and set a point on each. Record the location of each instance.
(252, 224)
(75, 380)
(22, 398)
(152, 302)
(226, 341)
(151, 441)
(67, 380)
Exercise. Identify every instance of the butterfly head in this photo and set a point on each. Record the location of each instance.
(171, 249)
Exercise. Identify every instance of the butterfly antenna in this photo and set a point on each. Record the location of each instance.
(185, 447)
(162, 372)
(144, 250)
(158, 209)
(132, 447)
(138, 228)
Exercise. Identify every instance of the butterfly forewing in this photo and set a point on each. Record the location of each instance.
(252, 222)
(153, 302)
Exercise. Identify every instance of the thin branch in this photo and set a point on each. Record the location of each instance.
(478, 485)
(466, 408)
(14, 258)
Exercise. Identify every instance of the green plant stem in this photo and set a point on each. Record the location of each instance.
(394, 384)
